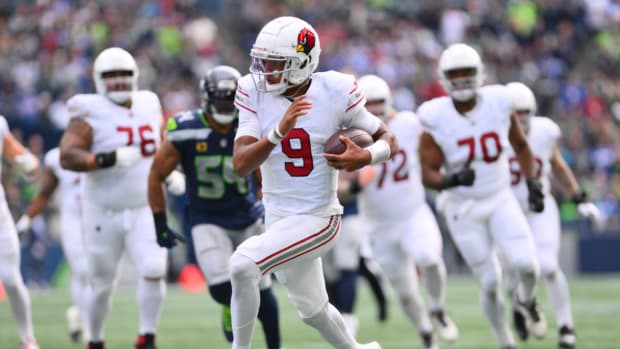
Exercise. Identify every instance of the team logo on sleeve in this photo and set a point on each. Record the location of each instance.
(305, 41)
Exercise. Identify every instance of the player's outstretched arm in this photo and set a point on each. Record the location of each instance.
(431, 159)
(563, 173)
(518, 141)
(17, 154)
(75, 146)
(525, 157)
(49, 183)
(165, 161)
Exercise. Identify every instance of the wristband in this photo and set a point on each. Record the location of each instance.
(104, 160)
(379, 151)
(277, 131)
(161, 221)
(580, 197)
(273, 137)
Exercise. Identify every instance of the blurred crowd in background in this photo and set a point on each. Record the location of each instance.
(568, 51)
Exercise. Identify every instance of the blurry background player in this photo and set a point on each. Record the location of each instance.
(463, 153)
(112, 137)
(543, 135)
(341, 264)
(405, 231)
(68, 183)
(223, 211)
(10, 275)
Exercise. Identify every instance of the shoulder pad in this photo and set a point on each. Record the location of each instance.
(187, 125)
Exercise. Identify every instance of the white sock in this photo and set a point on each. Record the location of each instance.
(81, 294)
(99, 306)
(527, 286)
(405, 284)
(330, 325)
(150, 299)
(20, 304)
(435, 282)
(245, 299)
(493, 307)
(559, 297)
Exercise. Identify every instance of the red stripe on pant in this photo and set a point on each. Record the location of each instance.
(310, 250)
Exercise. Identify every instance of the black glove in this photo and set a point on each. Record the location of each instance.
(464, 177)
(535, 198)
(166, 237)
(580, 198)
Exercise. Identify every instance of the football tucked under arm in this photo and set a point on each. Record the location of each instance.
(334, 145)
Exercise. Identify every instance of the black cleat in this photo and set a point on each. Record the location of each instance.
(145, 341)
(567, 338)
(76, 336)
(518, 322)
(96, 345)
(428, 342)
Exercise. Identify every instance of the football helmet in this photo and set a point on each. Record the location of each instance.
(217, 90)
(460, 57)
(378, 95)
(285, 54)
(523, 103)
(115, 60)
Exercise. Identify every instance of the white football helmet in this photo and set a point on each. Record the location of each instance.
(457, 57)
(376, 90)
(285, 54)
(115, 59)
(523, 101)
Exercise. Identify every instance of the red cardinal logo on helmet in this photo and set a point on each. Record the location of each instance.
(305, 41)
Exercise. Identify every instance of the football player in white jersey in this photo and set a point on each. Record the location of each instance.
(10, 276)
(468, 134)
(112, 137)
(406, 231)
(68, 183)
(286, 114)
(543, 135)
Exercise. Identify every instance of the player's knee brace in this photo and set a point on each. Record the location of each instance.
(243, 268)
(221, 293)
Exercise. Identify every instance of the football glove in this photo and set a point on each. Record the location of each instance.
(589, 210)
(175, 183)
(23, 224)
(535, 197)
(166, 237)
(121, 157)
(464, 177)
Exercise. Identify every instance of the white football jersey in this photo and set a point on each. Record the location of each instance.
(115, 126)
(69, 187)
(479, 138)
(396, 190)
(4, 129)
(542, 137)
(296, 177)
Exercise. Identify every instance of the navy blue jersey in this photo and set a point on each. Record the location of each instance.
(216, 194)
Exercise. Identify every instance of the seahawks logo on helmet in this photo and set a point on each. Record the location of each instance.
(305, 41)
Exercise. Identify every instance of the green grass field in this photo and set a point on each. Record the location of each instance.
(192, 321)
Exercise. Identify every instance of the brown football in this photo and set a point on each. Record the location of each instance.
(334, 145)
